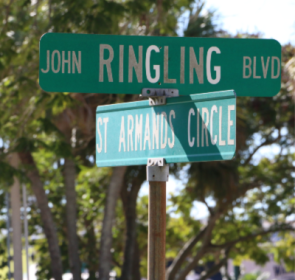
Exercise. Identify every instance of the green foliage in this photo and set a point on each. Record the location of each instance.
(91, 192)
(284, 250)
(201, 23)
(250, 276)
(6, 178)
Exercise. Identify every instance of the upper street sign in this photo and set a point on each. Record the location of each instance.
(126, 64)
(198, 127)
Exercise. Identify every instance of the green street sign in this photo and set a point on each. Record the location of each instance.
(89, 63)
(197, 127)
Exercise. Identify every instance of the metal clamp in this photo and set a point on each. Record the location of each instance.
(156, 162)
(157, 96)
(154, 101)
(156, 170)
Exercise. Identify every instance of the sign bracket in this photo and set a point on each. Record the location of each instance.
(157, 170)
(157, 96)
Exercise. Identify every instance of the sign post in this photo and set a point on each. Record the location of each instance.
(157, 175)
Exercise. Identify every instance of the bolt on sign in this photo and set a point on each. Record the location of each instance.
(90, 63)
(197, 127)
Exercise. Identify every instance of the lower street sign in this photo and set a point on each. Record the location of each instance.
(197, 127)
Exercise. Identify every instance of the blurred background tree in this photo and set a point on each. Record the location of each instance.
(83, 216)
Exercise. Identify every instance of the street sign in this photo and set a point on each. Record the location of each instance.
(198, 127)
(90, 63)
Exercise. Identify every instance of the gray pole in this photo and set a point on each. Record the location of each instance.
(26, 230)
(8, 234)
(16, 223)
(157, 177)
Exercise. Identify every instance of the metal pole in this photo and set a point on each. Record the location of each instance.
(26, 230)
(157, 177)
(8, 234)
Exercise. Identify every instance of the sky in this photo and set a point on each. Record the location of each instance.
(274, 19)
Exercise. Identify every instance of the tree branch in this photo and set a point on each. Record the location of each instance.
(285, 227)
(205, 242)
(210, 210)
(205, 236)
(266, 142)
(217, 267)
(192, 264)
(183, 253)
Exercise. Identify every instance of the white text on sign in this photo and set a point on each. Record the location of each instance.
(70, 62)
(150, 131)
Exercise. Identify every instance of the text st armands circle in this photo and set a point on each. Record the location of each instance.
(198, 127)
(126, 64)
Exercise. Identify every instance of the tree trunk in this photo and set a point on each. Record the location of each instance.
(92, 254)
(71, 218)
(46, 216)
(130, 269)
(136, 262)
(109, 216)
